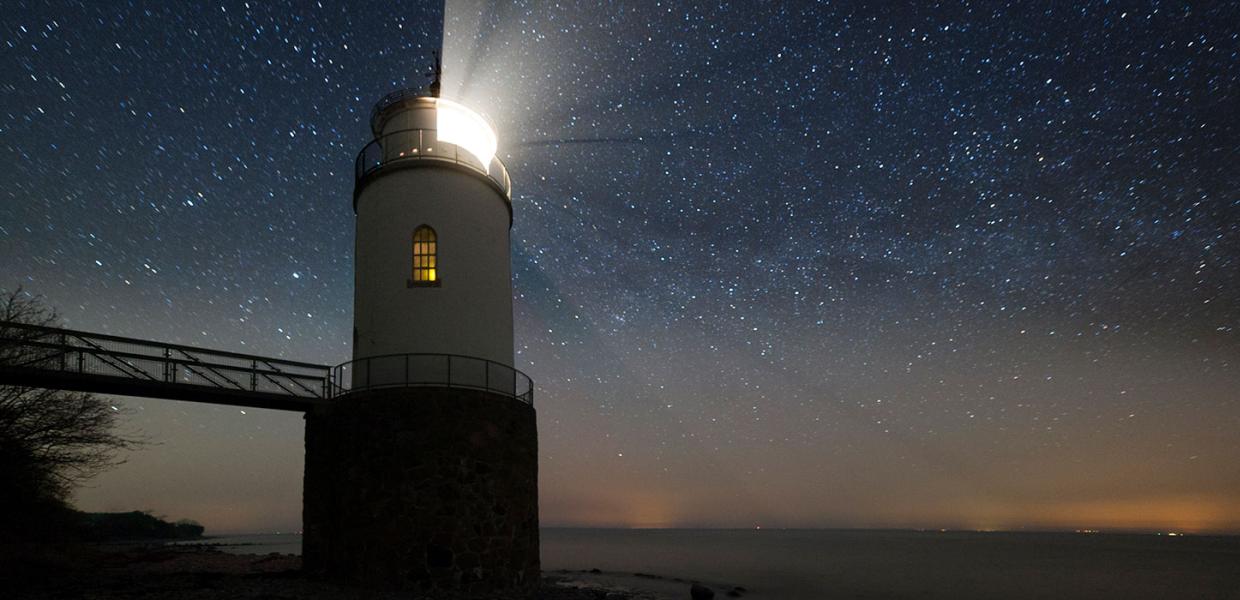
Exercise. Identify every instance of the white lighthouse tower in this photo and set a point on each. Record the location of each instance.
(433, 214)
(422, 472)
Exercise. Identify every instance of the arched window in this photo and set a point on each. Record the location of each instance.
(425, 256)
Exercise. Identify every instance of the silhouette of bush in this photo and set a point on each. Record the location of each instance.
(135, 525)
(50, 440)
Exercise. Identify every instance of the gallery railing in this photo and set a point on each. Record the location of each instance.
(32, 348)
(432, 370)
(424, 144)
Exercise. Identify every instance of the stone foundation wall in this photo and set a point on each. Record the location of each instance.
(433, 490)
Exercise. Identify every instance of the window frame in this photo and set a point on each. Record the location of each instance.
(429, 258)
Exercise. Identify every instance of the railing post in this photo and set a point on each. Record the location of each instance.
(64, 349)
(167, 364)
(254, 375)
(81, 360)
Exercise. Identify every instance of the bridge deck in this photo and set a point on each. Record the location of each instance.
(55, 358)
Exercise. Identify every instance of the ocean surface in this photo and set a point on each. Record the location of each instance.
(814, 564)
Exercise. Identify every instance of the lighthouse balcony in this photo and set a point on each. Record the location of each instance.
(431, 370)
(422, 147)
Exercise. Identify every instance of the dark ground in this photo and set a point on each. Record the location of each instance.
(114, 571)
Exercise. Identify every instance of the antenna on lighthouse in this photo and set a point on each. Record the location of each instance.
(437, 74)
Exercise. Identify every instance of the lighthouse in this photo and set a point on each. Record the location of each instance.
(433, 214)
(421, 474)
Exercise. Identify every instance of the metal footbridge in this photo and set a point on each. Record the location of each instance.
(54, 358)
(65, 359)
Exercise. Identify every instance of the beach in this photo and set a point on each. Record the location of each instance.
(205, 572)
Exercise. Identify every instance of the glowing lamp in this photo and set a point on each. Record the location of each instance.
(467, 129)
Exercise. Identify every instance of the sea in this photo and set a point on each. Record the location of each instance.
(791, 564)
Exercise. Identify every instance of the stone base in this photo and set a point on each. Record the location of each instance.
(432, 490)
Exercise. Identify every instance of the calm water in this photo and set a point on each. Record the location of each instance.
(813, 564)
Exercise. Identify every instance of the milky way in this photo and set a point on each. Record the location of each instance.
(952, 265)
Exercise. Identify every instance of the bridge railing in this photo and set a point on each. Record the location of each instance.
(33, 347)
(432, 370)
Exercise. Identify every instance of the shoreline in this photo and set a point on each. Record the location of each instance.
(148, 569)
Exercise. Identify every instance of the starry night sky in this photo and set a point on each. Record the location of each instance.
(779, 264)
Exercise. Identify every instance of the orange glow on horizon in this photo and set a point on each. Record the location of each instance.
(1182, 514)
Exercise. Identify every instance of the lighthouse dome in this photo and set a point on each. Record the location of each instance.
(410, 125)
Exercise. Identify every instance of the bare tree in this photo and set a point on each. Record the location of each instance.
(50, 440)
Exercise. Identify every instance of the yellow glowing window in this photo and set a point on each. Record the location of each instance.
(425, 256)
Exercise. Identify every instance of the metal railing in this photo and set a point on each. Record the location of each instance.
(424, 144)
(39, 356)
(432, 370)
(32, 348)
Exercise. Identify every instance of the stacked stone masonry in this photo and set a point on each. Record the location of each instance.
(431, 490)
